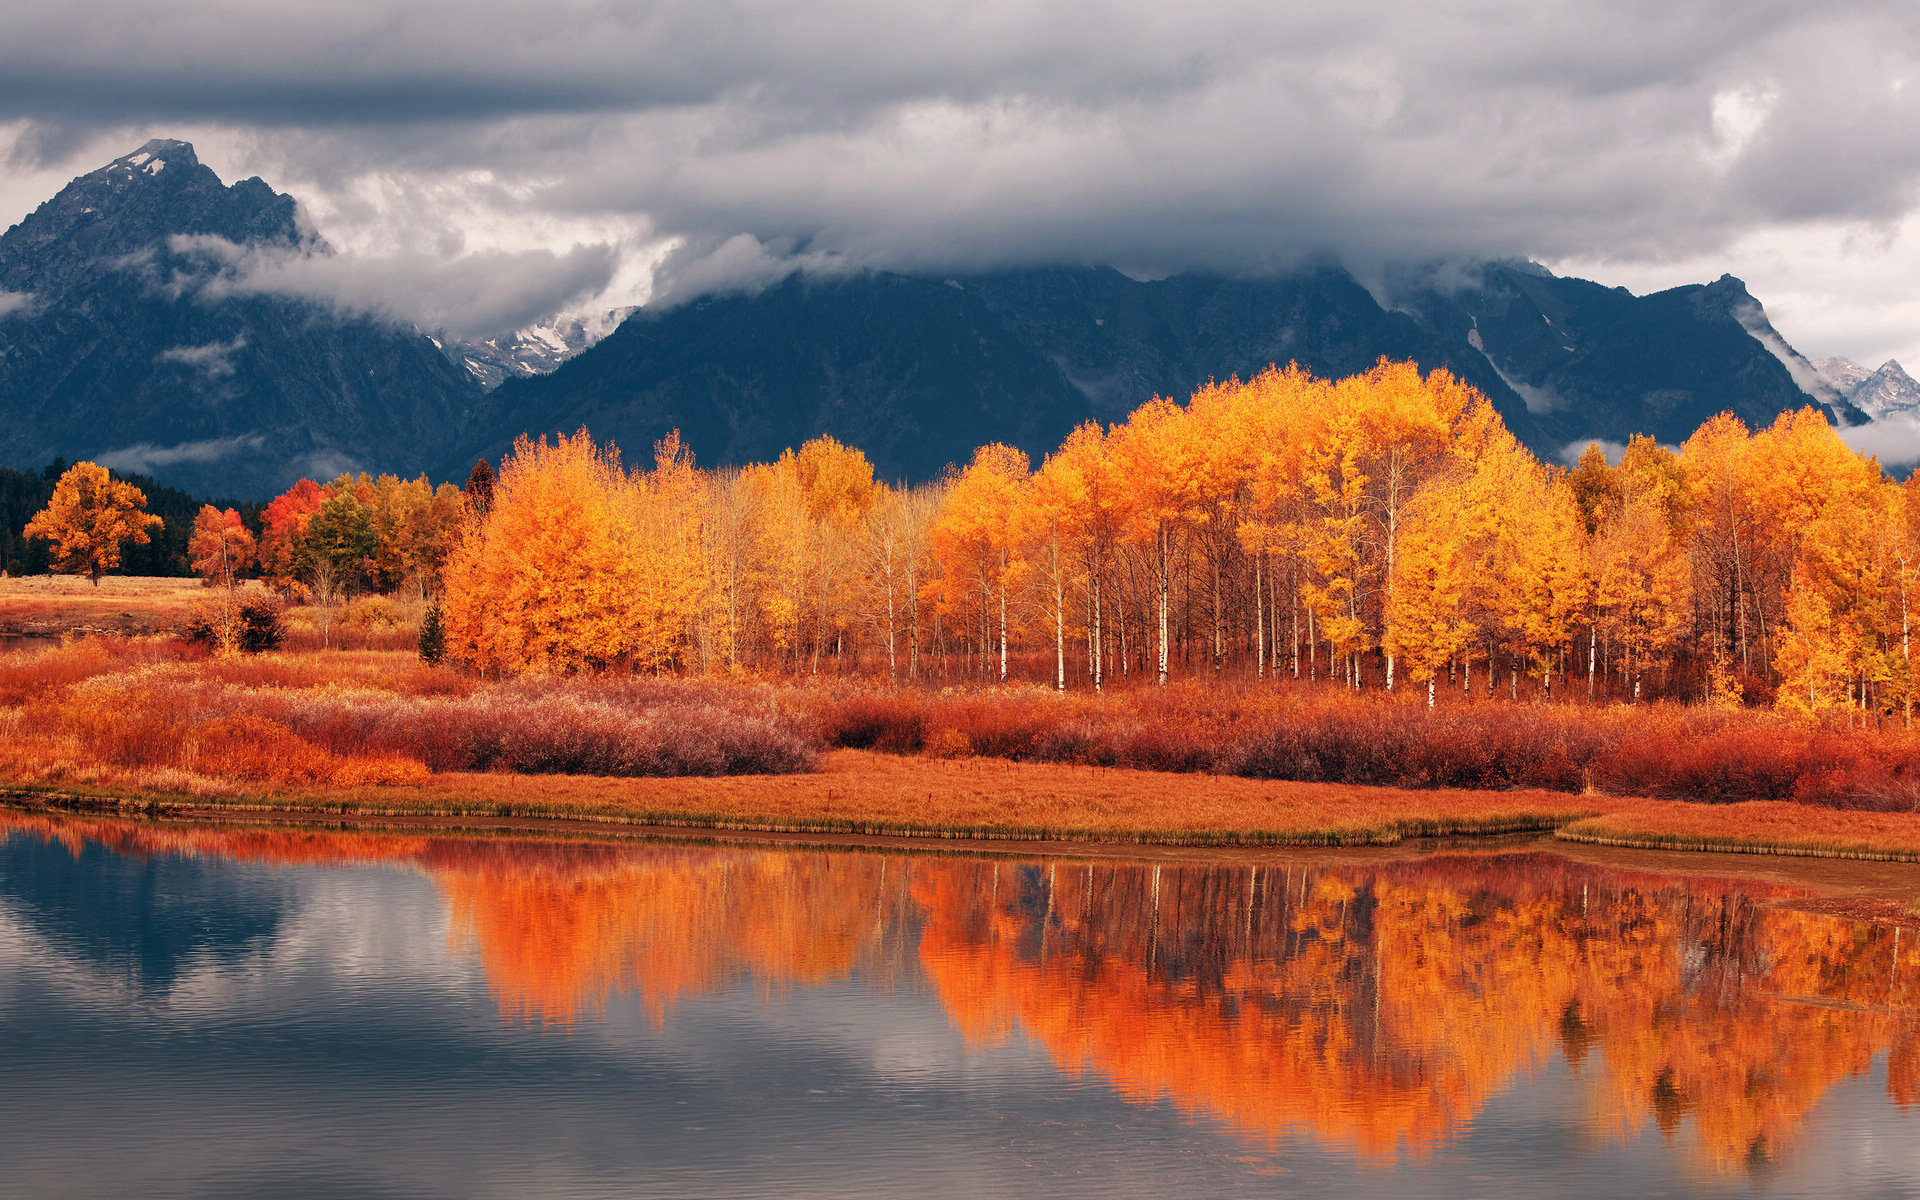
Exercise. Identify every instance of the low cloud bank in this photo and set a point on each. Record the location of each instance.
(144, 458)
(477, 295)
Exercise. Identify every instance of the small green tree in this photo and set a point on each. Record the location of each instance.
(433, 637)
(342, 533)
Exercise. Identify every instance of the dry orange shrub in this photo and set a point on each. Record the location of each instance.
(372, 729)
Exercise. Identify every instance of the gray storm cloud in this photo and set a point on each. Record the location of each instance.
(1215, 134)
(754, 139)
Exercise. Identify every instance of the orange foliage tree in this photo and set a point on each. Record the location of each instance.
(222, 546)
(89, 518)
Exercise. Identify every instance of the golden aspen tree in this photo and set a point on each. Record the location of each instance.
(1059, 535)
(1820, 499)
(1286, 408)
(1813, 654)
(1501, 474)
(886, 545)
(1901, 541)
(1545, 583)
(783, 558)
(89, 518)
(976, 539)
(1155, 459)
(1427, 618)
(1642, 584)
(1411, 431)
(1336, 491)
(732, 519)
(1077, 487)
(1725, 547)
(838, 484)
(659, 518)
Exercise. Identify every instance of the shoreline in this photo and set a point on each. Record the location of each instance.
(984, 802)
(1876, 889)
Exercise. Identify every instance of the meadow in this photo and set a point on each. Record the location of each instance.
(375, 730)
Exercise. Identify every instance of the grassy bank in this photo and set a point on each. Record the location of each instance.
(867, 793)
(154, 721)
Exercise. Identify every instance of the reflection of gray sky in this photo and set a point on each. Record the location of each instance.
(355, 1053)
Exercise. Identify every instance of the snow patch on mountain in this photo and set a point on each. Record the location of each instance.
(537, 349)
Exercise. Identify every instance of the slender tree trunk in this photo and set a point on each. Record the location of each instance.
(1295, 606)
(1165, 568)
(1593, 646)
(1313, 658)
(1059, 619)
(1259, 627)
(1003, 617)
(1099, 637)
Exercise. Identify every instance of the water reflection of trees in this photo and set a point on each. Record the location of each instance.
(1372, 1008)
(1379, 1009)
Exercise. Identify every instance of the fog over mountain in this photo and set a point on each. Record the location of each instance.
(487, 168)
(160, 322)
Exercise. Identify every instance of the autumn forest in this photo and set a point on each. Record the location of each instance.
(1382, 532)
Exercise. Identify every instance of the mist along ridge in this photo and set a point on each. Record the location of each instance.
(157, 320)
(1373, 1010)
(1364, 582)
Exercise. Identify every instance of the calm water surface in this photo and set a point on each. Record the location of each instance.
(201, 1012)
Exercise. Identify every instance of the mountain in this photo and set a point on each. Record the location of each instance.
(1595, 362)
(112, 348)
(918, 371)
(128, 335)
(1879, 394)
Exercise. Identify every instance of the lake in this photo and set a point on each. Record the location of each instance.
(204, 1011)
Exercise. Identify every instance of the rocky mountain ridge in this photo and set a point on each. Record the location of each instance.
(120, 342)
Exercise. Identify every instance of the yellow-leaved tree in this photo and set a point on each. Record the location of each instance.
(90, 517)
(1428, 615)
(976, 540)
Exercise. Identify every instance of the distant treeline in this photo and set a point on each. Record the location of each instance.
(24, 493)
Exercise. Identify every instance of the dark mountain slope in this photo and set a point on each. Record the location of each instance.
(110, 349)
(918, 372)
(1598, 362)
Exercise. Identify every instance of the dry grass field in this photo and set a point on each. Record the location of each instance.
(328, 731)
(51, 605)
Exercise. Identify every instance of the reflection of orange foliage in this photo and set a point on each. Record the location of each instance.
(270, 847)
(1379, 1010)
(561, 929)
(1375, 1009)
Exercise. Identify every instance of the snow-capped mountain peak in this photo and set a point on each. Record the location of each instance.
(1877, 393)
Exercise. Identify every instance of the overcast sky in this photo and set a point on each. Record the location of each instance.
(482, 161)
